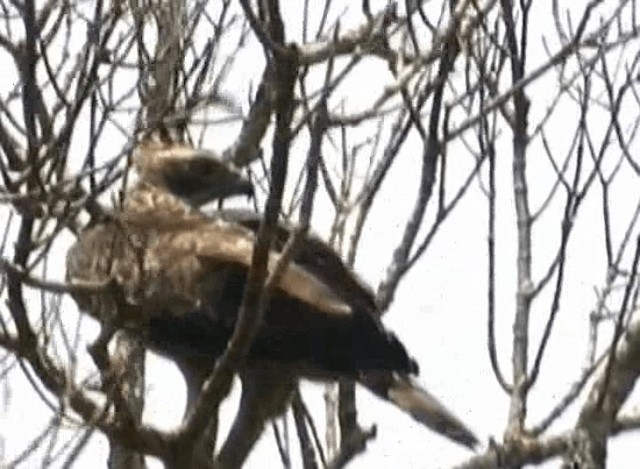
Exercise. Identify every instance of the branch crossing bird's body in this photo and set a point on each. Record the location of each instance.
(186, 285)
(177, 277)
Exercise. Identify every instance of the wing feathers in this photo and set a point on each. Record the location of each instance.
(315, 256)
(219, 244)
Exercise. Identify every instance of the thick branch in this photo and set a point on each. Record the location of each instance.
(611, 388)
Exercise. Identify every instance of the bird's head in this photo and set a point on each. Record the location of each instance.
(197, 176)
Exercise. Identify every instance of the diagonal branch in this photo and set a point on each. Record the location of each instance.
(255, 295)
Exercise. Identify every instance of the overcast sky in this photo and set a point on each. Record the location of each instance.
(440, 310)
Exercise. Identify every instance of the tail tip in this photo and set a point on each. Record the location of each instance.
(466, 438)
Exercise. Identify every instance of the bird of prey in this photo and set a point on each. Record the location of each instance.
(177, 276)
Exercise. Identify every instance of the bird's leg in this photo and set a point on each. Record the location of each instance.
(194, 377)
(195, 374)
(265, 395)
(111, 372)
(99, 352)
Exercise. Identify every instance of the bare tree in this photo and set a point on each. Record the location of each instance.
(524, 111)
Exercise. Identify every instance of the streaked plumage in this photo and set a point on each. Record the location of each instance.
(177, 279)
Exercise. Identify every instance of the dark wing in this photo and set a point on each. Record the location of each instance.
(306, 324)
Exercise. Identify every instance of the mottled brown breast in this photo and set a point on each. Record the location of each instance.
(106, 255)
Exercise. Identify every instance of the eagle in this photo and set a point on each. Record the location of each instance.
(176, 278)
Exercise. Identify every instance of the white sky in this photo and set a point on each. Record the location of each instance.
(440, 309)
